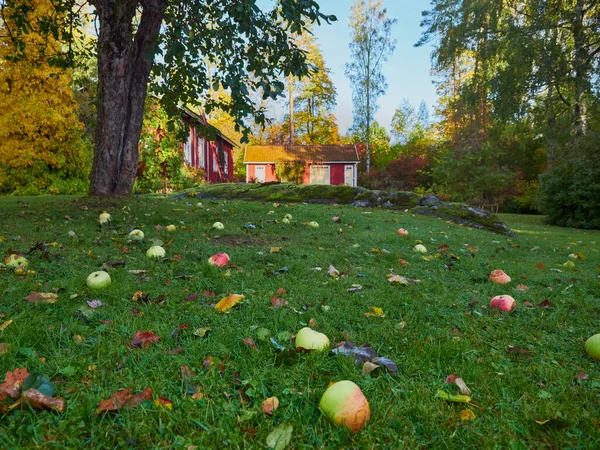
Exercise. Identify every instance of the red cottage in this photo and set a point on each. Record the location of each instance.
(323, 164)
(214, 157)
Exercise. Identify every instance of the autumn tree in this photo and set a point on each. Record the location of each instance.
(370, 47)
(41, 145)
(249, 47)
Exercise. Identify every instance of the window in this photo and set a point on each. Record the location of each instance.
(214, 156)
(319, 175)
(225, 163)
(187, 149)
(201, 153)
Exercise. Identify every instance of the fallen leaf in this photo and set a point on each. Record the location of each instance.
(403, 262)
(333, 272)
(37, 400)
(280, 437)
(402, 280)
(201, 332)
(13, 382)
(540, 265)
(361, 354)
(94, 304)
(208, 361)
(515, 350)
(355, 288)
(522, 288)
(186, 372)
(277, 302)
(192, 297)
(124, 399)
(117, 263)
(281, 291)
(144, 338)
(368, 367)
(546, 304)
(206, 293)
(4, 348)
(274, 249)
(462, 386)
(41, 297)
(270, 405)
(582, 376)
(250, 343)
(228, 302)
(443, 248)
(453, 398)
(467, 414)
(375, 312)
(387, 363)
(162, 402)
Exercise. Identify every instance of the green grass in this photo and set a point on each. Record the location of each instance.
(431, 329)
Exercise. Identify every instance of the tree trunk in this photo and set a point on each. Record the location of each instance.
(125, 59)
(291, 87)
(581, 68)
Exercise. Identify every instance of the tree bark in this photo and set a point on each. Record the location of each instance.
(581, 68)
(125, 60)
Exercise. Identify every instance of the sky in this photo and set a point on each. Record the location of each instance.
(407, 71)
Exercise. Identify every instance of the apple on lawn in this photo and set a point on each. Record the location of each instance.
(285, 220)
(219, 260)
(503, 302)
(104, 218)
(499, 277)
(288, 216)
(218, 226)
(16, 261)
(345, 404)
(156, 252)
(420, 248)
(136, 235)
(98, 280)
(313, 224)
(170, 228)
(592, 346)
(402, 232)
(310, 339)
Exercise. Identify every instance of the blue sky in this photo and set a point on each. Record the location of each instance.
(407, 71)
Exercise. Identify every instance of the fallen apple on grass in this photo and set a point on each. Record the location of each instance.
(218, 226)
(136, 235)
(98, 280)
(499, 277)
(420, 248)
(345, 404)
(104, 218)
(156, 252)
(16, 261)
(219, 260)
(313, 224)
(310, 339)
(402, 232)
(285, 220)
(170, 228)
(503, 303)
(288, 217)
(592, 346)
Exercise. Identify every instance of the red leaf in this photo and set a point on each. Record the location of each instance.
(582, 376)
(443, 248)
(546, 304)
(144, 338)
(281, 291)
(206, 293)
(125, 250)
(192, 297)
(12, 382)
(540, 265)
(277, 302)
(124, 399)
(106, 322)
(250, 343)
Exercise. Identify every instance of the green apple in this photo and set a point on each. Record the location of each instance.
(104, 218)
(218, 226)
(285, 220)
(170, 228)
(345, 404)
(136, 235)
(313, 224)
(420, 248)
(98, 280)
(288, 216)
(592, 346)
(16, 261)
(156, 252)
(311, 340)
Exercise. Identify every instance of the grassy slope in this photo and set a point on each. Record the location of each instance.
(428, 329)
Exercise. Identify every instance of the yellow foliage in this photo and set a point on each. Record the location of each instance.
(41, 141)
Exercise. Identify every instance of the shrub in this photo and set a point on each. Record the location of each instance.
(409, 172)
(290, 171)
(570, 190)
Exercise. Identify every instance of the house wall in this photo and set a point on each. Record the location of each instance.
(336, 173)
(269, 172)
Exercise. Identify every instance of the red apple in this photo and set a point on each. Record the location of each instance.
(402, 232)
(503, 303)
(219, 260)
(499, 277)
(345, 404)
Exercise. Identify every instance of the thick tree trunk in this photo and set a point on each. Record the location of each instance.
(125, 59)
(581, 66)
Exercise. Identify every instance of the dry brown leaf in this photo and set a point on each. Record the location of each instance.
(368, 367)
(333, 272)
(13, 382)
(186, 372)
(281, 291)
(144, 338)
(4, 348)
(37, 400)
(270, 405)
(522, 288)
(250, 343)
(41, 297)
(228, 302)
(124, 399)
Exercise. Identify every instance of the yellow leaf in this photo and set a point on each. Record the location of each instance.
(375, 312)
(467, 414)
(274, 249)
(228, 302)
(453, 398)
(5, 324)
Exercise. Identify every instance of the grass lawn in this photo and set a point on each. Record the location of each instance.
(521, 366)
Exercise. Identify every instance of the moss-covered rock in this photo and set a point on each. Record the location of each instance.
(288, 192)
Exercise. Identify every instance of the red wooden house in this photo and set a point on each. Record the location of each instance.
(215, 157)
(324, 164)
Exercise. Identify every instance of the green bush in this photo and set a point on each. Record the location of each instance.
(570, 190)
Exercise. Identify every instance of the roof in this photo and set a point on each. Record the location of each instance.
(308, 153)
(202, 120)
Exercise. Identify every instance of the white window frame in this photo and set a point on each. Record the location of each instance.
(225, 163)
(324, 166)
(264, 171)
(351, 166)
(187, 148)
(214, 159)
(201, 153)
